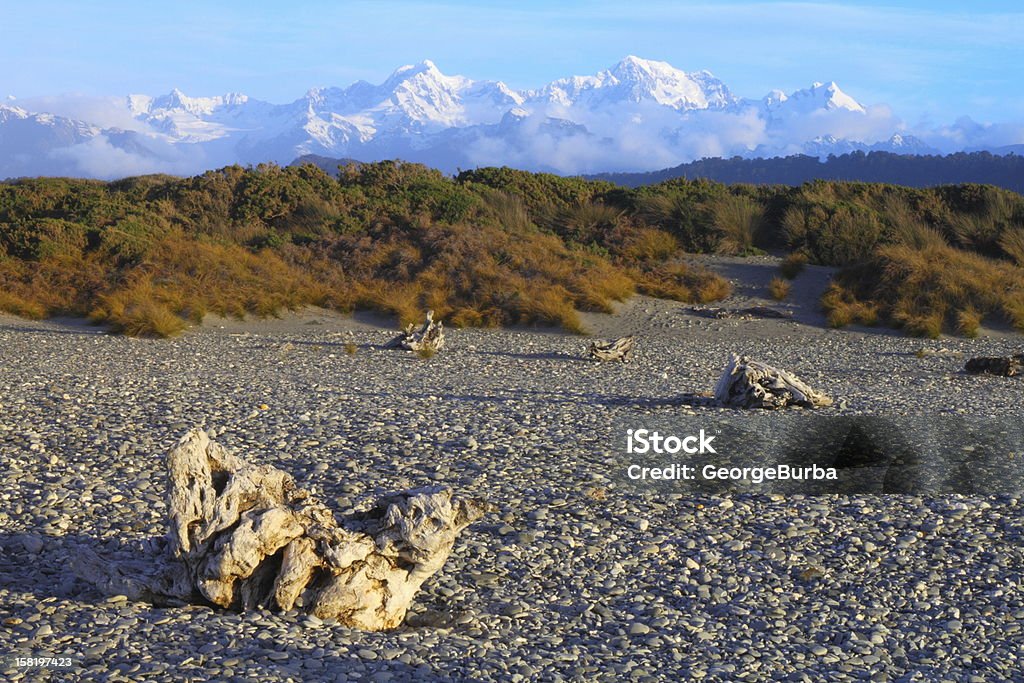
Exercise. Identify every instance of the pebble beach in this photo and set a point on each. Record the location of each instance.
(572, 578)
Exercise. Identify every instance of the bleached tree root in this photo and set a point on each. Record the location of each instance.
(429, 337)
(244, 536)
(747, 383)
(620, 349)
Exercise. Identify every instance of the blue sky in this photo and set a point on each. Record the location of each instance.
(930, 61)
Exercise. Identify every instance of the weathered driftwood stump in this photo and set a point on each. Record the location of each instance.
(244, 536)
(747, 383)
(1007, 366)
(429, 337)
(620, 349)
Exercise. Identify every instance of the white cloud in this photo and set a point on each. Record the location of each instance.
(99, 158)
(104, 112)
(967, 134)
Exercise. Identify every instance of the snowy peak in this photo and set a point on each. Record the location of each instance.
(635, 80)
(176, 100)
(9, 112)
(666, 85)
(416, 97)
(820, 96)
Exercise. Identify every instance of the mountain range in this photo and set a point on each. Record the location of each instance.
(638, 115)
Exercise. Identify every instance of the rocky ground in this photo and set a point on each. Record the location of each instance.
(575, 578)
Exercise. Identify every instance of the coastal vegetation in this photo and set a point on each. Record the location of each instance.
(490, 247)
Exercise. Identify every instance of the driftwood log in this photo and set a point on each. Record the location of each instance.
(244, 536)
(748, 383)
(430, 337)
(620, 349)
(1007, 366)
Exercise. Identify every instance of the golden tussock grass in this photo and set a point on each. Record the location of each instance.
(842, 308)
(778, 288)
(15, 305)
(1012, 244)
(738, 221)
(929, 290)
(647, 245)
(793, 265)
(682, 282)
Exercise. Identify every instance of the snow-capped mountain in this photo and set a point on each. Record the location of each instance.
(636, 115)
(897, 144)
(637, 81)
(820, 97)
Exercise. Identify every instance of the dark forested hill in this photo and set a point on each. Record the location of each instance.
(874, 167)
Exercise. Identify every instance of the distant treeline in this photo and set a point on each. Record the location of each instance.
(493, 246)
(874, 167)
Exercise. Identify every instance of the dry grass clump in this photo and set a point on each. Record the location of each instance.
(647, 245)
(550, 305)
(778, 288)
(147, 319)
(186, 279)
(793, 265)
(738, 221)
(588, 222)
(927, 291)
(712, 289)
(968, 322)
(843, 308)
(14, 304)
(1012, 244)
(680, 281)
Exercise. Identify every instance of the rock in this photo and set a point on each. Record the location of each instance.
(430, 337)
(33, 545)
(747, 383)
(620, 349)
(1007, 366)
(244, 537)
